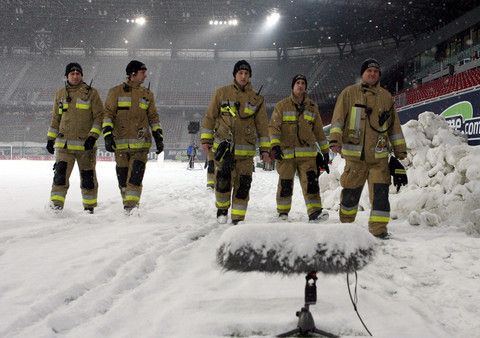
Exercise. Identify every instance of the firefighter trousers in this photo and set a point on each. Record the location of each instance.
(353, 179)
(307, 173)
(130, 170)
(210, 169)
(64, 163)
(239, 180)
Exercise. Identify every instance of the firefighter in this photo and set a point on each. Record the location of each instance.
(130, 113)
(235, 119)
(296, 134)
(210, 169)
(365, 128)
(74, 130)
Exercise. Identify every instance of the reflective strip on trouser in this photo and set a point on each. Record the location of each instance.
(83, 104)
(86, 161)
(284, 206)
(243, 167)
(379, 216)
(313, 204)
(264, 142)
(89, 200)
(222, 202)
(126, 159)
(289, 116)
(244, 150)
(352, 150)
(133, 144)
(309, 116)
(305, 152)
(52, 132)
(238, 211)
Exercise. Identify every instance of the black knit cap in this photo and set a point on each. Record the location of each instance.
(369, 63)
(242, 64)
(73, 66)
(134, 66)
(299, 77)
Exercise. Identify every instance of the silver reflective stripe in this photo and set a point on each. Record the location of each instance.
(337, 124)
(244, 147)
(52, 130)
(396, 137)
(357, 120)
(274, 137)
(144, 102)
(309, 113)
(288, 151)
(107, 121)
(206, 131)
(89, 197)
(88, 103)
(380, 213)
(239, 207)
(249, 106)
(97, 126)
(223, 199)
(352, 147)
(124, 99)
(61, 140)
(355, 207)
(305, 149)
(289, 113)
(122, 141)
(76, 143)
(284, 202)
(58, 193)
(153, 125)
(323, 143)
(264, 139)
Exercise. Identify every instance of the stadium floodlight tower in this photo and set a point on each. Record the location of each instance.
(293, 249)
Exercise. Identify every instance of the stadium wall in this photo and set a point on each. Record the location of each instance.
(461, 109)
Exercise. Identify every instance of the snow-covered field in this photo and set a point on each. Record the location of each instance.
(154, 274)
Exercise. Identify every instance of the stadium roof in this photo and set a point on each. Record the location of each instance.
(185, 23)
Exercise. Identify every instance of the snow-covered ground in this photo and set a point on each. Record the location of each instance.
(154, 274)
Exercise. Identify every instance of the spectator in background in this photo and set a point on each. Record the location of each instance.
(191, 153)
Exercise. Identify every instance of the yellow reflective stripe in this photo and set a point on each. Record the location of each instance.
(124, 103)
(381, 219)
(274, 141)
(210, 182)
(324, 147)
(244, 152)
(107, 133)
(400, 171)
(222, 204)
(382, 154)
(75, 147)
(313, 205)
(264, 144)
(398, 142)
(306, 154)
(96, 131)
(50, 134)
(289, 118)
(57, 198)
(309, 118)
(206, 135)
(336, 130)
(239, 212)
(89, 201)
(131, 198)
(122, 146)
(348, 212)
(288, 156)
(284, 207)
(351, 152)
(143, 105)
(59, 144)
(107, 124)
(139, 145)
(83, 106)
(156, 128)
(249, 111)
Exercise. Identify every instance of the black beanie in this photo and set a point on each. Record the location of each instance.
(299, 77)
(73, 66)
(242, 64)
(134, 66)
(369, 63)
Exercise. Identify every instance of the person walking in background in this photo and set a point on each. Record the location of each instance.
(74, 130)
(191, 153)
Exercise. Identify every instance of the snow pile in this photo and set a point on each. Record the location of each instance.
(295, 248)
(443, 177)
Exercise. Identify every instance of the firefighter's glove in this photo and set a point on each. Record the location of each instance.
(110, 143)
(50, 146)
(157, 135)
(397, 170)
(90, 142)
(277, 153)
(221, 150)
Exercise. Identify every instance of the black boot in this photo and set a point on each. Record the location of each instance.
(88, 210)
(222, 216)
(384, 235)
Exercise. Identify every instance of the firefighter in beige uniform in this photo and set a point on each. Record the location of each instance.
(295, 131)
(75, 127)
(235, 118)
(130, 113)
(365, 126)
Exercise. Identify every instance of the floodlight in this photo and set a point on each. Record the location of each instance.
(211, 22)
(272, 19)
(140, 21)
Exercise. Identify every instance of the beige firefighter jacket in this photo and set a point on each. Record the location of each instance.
(355, 124)
(77, 114)
(239, 116)
(296, 131)
(130, 110)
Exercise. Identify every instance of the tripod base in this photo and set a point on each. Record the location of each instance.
(306, 325)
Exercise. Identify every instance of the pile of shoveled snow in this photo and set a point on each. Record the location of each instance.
(443, 177)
